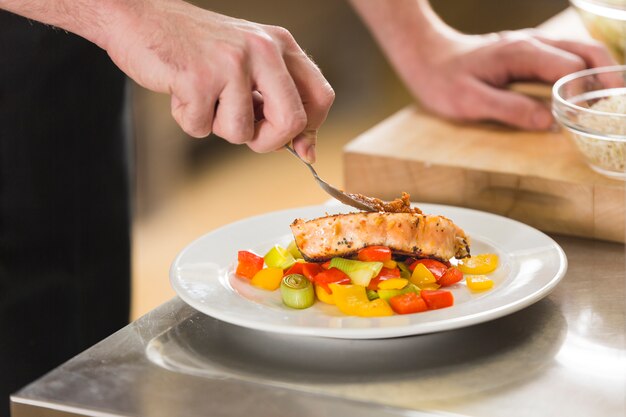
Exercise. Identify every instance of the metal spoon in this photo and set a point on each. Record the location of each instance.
(346, 198)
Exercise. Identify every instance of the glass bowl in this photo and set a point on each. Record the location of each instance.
(591, 106)
(605, 20)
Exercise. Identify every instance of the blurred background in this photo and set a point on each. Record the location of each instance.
(187, 187)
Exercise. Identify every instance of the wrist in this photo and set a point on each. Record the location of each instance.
(410, 34)
(113, 16)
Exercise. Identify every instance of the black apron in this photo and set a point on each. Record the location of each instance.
(64, 200)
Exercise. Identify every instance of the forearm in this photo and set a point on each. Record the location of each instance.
(91, 19)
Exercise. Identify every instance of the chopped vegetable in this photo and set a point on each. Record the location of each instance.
(310, 270)
(297, 291)
(451, 277)
(387, 294)
(347, 297)
(405, 272)
(268, 278)
(292, 248)
(422, 276)
(433, 286)
(279, 257)
(371, 294)
(332, 275)
(323, 296)
(437, 268)
(295, 269)
(436, 299)
(391, 264)
(478, 282)
(383, 275)
(374, 254)
(352, 300)
(248, 264)
(393, 284)
(408, 303)
(375, 308)
(374, 286)
(360, 273)
(479, 264)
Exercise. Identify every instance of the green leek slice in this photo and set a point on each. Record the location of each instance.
(279, 257)
(292, 248)
(405, 272)
(360, 272)
(371, 294)
(297, 291)
(387, 294)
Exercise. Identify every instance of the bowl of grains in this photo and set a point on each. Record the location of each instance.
(591, 106)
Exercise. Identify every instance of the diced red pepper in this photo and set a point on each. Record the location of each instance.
(310, 270)
(329, 276)
(249, 264)
(437, 268)
(374, 254)
(451, 277)
(408, 303)
(436, 299)
(383, 275)
(295, 269)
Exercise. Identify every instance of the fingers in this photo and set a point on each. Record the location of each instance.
(283, 113)
(193, 112)
(306, 108)
(529, 58)
(316, 94)
(508, 107)
(234, 114)
(262, 91)
(593, 53)
(317, 97)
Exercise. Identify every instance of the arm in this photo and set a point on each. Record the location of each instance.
(214, 67)
(464, 77)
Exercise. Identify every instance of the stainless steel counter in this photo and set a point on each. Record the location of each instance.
(563, 356)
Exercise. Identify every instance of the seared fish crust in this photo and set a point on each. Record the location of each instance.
(410, 234)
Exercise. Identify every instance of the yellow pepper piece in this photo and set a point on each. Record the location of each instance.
(478, 282)
(323, 296)
(268, 278)
(434, 286)
(479, 264)
(393, 284)
(422, 276)
(352, 300)
(391, 264)
(375, 308)
(346, 297)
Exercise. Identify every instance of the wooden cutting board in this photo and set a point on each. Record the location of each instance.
(535, 177)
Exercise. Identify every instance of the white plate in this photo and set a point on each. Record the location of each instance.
(531, 264)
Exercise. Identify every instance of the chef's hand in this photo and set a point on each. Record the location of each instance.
(210, 64)
(468, 78)
(464, 77)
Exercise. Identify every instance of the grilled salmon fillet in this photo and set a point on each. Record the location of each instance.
(410, 234)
